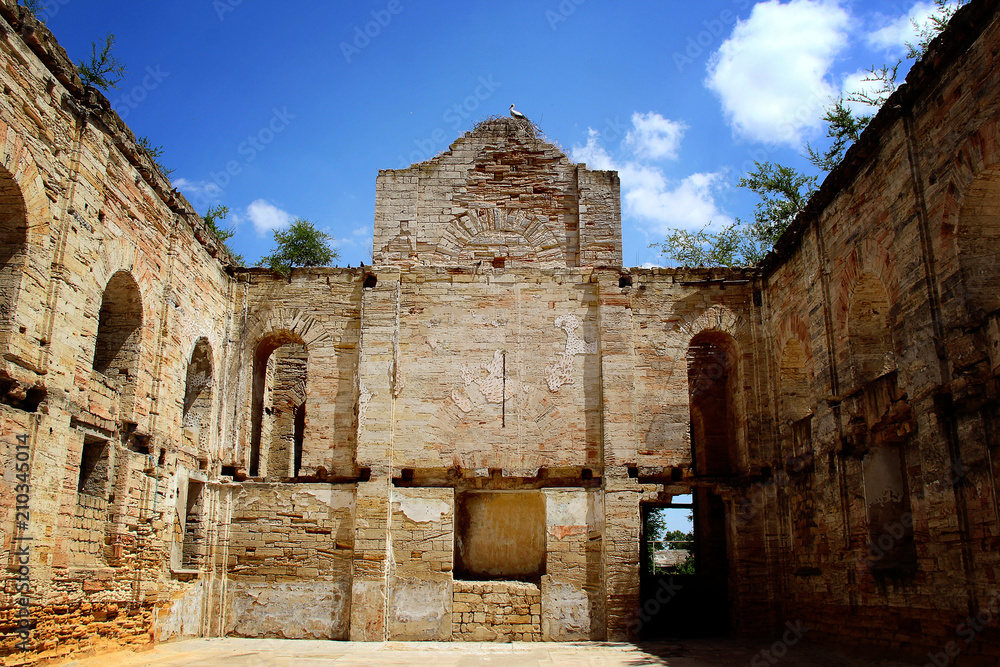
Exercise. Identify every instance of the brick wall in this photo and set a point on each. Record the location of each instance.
(503, 611)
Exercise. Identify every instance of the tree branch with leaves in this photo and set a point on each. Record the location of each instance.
(783, 193)
(103, 69)
(302, 244)
(783, 190)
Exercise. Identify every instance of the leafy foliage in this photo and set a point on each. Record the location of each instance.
(845, 126)
(656, 531)
(103, 69)
(155, 153)
(214, 213)
(678, 540)
(35, 7)
(783, 193)
(302, 244)
(935, 25)
(211, 218)
(783, 190)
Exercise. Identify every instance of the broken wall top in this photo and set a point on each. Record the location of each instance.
(499, 195)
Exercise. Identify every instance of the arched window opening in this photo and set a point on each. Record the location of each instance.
(869, 332)
(13, 246)
(978, 235)
(197, 414)
(278, 406)
(119, 333)
(713, 391)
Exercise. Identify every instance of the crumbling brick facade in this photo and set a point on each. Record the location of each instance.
(459, 442)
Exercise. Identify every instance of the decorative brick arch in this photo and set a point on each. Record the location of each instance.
(295, 321)
(873, 256)
(970, 217)
(266, 332)
(977, 155)
(119, 255)
(486, 224)
(17, 161)
(793, 327)
(24, 228)
(718, 318)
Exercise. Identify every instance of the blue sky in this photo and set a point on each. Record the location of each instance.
(282, 110)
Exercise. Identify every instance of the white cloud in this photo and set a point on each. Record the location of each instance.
(649, 195)
(688, 204)
(858, 83)
(360, 237)
(654, 137)
(201, 192)
(265, 216)
(593, 153)
(771, 74)
(897, 32)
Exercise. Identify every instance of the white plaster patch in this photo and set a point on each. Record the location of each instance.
(565, 612)
(306, 610)
(566, 508)
(364, 398)
(561, 372)
(463, 401)
(420, 510)
(332, 498)
(181, 617)
(494, 388)
(420, 602)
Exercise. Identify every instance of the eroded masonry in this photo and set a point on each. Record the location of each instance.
(460, 441)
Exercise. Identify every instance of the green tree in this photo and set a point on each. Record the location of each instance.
(212, 215)
(678, 540)
(299, 245)
(845, 126)
(934, 26)
(655, 525)
(155, 153)
(783, 192)
(35, 7)
(103, 69)
(211, 218)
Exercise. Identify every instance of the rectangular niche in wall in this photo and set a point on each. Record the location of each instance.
(194, 526)
(94, 467)
(500, 535)
(890, 523)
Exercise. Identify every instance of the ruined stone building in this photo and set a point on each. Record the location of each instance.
(460, 441)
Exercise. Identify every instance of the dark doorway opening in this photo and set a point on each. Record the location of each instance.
(684, 596)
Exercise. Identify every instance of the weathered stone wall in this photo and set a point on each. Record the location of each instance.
(420, 586)
(572, 587)
(497, 611)
(834, 411)
(289, 566)
(904, 222)
(85, 209)
(495, 371)
(498, 195)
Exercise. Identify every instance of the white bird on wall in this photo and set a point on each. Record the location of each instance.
(517, 114)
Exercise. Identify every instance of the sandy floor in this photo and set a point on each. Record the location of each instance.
(301, 653)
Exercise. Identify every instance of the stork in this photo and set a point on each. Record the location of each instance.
(514, 113)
